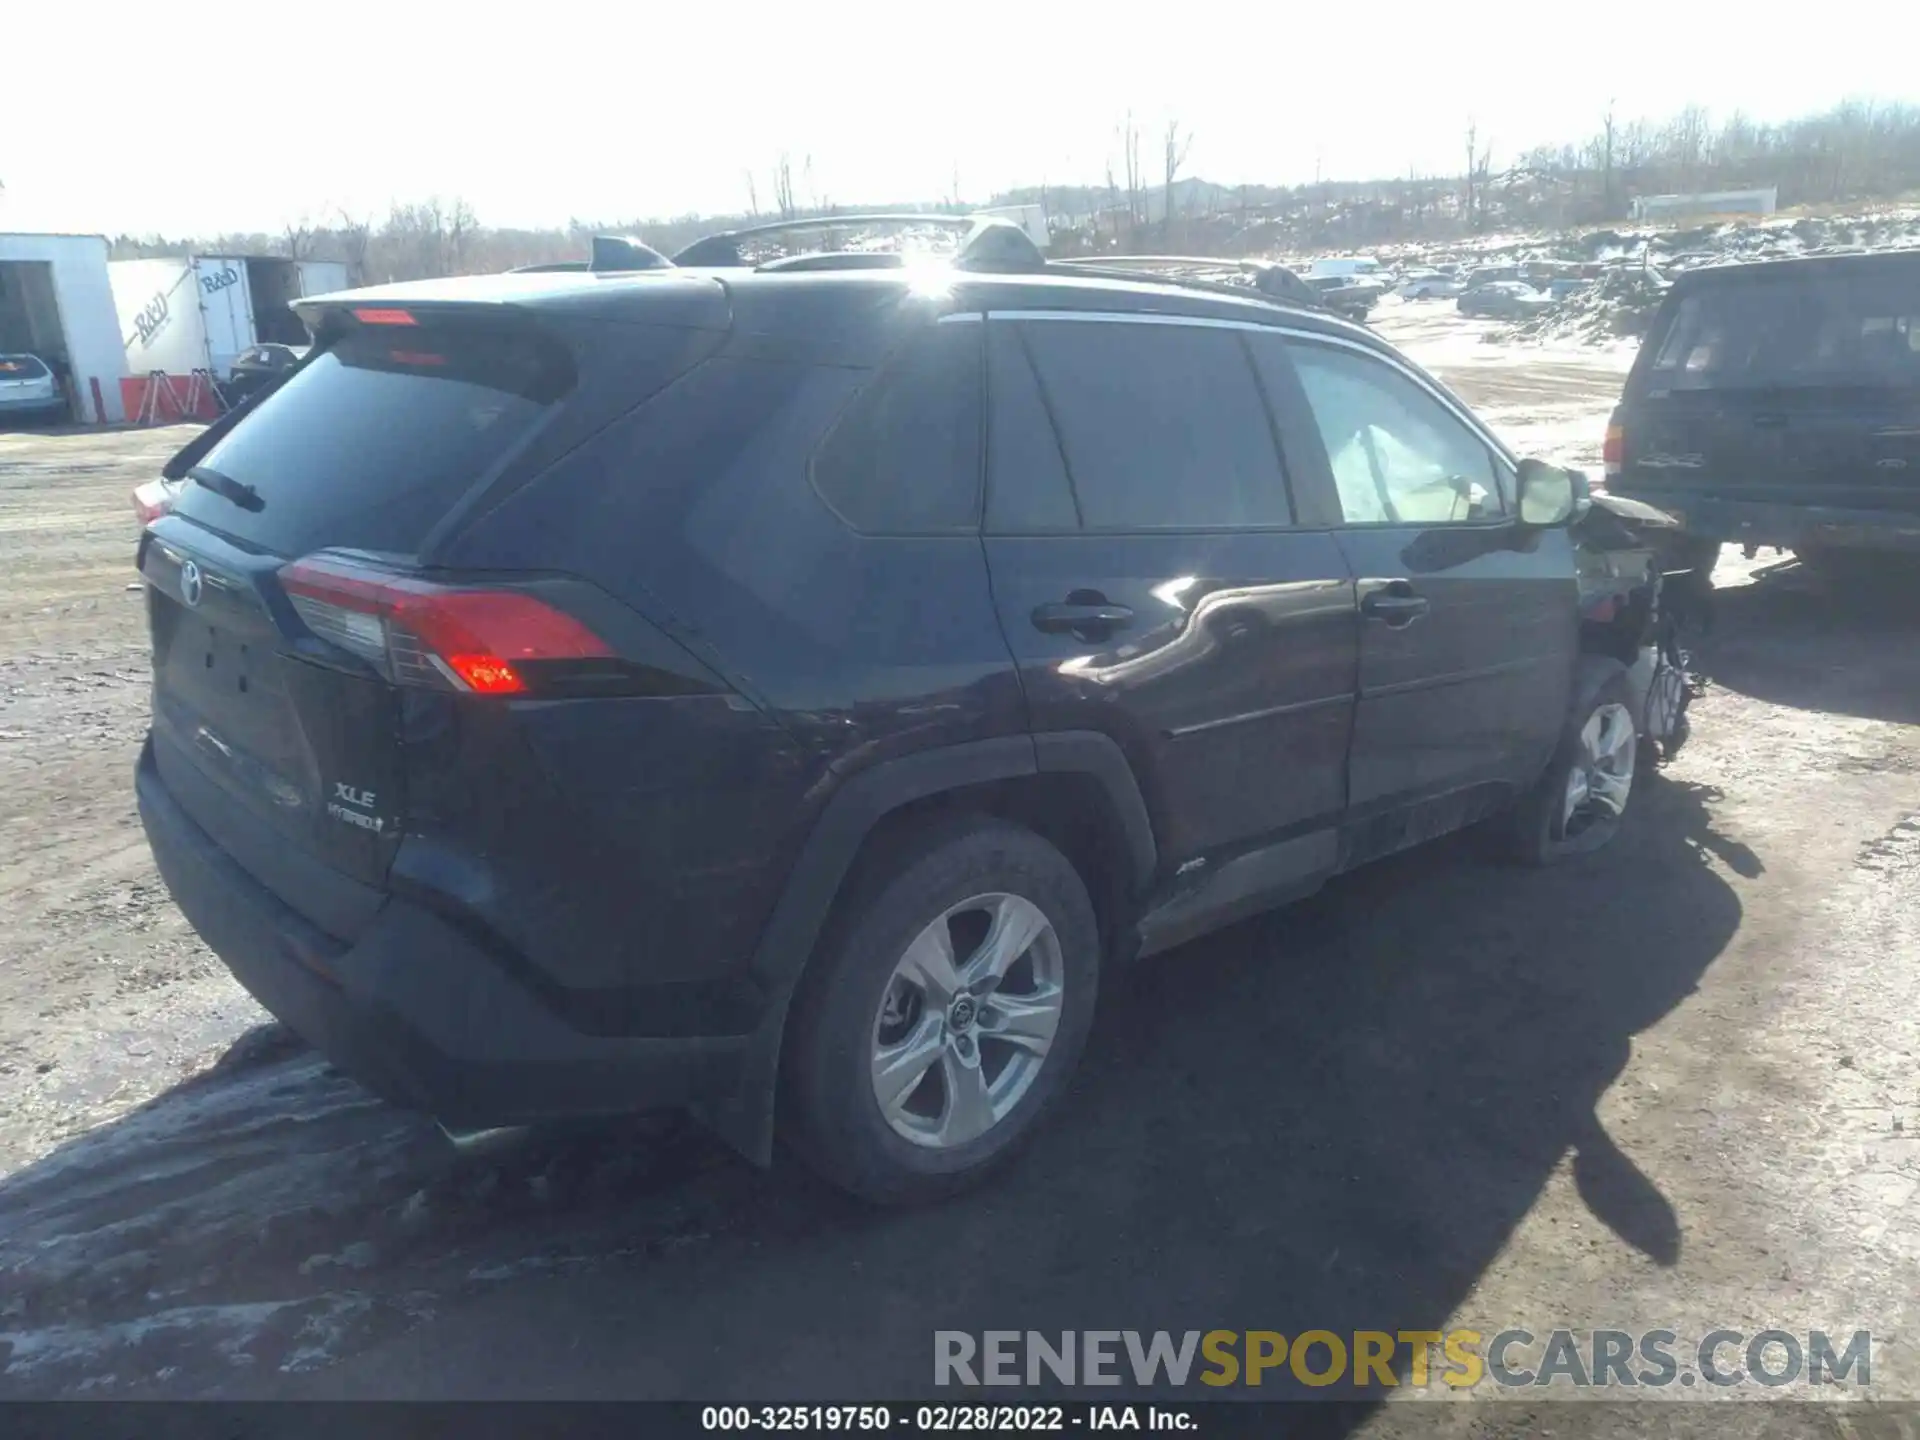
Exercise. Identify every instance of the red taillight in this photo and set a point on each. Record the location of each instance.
(445, 637)
(152, 500)
(1614, 452)
(385, 317)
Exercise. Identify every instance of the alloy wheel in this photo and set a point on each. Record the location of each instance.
(966, 1021)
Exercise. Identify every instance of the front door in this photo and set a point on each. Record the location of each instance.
(1154, 586)
(1469, 628)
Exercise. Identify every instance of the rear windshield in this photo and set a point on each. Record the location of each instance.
(21, 367)
(376, 440)
(1784, 334)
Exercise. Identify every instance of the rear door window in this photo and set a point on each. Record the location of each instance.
(1161, 426)
(1793, 333)
(1027, 490)
(379, 438)
(904, 459)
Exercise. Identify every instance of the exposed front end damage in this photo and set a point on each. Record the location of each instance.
(1636, 597)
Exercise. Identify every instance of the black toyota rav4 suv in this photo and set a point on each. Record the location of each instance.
(784, 692)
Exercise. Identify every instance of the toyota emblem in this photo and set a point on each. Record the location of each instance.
(191, 583)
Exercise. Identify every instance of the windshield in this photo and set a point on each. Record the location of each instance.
(22, 367)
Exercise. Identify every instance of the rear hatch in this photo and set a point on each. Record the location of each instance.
(1797, 387)
(297, 623)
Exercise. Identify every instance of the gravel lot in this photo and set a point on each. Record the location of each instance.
(1672, 1086)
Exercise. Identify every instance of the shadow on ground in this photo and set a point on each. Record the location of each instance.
(1793, 638)
(1331, 1117)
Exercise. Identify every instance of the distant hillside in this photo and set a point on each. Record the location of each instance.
(1856, 152)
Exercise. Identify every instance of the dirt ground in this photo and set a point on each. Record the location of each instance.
(1672, 1086)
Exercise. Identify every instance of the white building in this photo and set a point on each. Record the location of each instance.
(1713, 202)
(56, 302)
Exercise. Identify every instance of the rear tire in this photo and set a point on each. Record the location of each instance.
(943, 1014)
(1581, 800)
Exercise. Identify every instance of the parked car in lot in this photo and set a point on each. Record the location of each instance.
(1502, 300)
(1429, 285)
(1492, 275)
(1346, 295)
(582, 692)
(1778, 403)
(29, 390)
(259, 366)
(1350, 266)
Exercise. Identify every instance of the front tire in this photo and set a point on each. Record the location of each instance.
(945, 1011)
(1580, 802)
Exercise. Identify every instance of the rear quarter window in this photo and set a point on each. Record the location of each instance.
(904, 458)
(372, 444)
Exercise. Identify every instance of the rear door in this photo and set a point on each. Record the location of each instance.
(1158, 584)
(1468, 629)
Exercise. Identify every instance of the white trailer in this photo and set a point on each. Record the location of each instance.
(198, 312)
(56, 302)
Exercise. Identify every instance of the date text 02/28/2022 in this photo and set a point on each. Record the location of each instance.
(943, 1419)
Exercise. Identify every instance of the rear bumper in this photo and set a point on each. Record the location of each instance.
(38, 405)
(415, 1010)
(1749, 522)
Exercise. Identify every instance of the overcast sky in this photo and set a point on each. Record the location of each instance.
(142, 117)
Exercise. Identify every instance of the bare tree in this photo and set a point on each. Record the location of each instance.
(299, 239)
(1136, 178)
(351, 237)
(1479, 166)
(783, 187)
(461, 223)
(1687, 139)
(1473, 146)
(1177, 147)
(818, 200)
(1606, 161)
(753, 197)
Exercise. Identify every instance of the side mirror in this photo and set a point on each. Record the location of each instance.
(1547, 494)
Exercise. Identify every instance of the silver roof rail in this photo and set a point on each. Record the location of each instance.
(983, 243)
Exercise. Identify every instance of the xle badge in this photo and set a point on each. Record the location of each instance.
(348, 804)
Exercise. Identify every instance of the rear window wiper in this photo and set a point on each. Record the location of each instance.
(225, 486)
